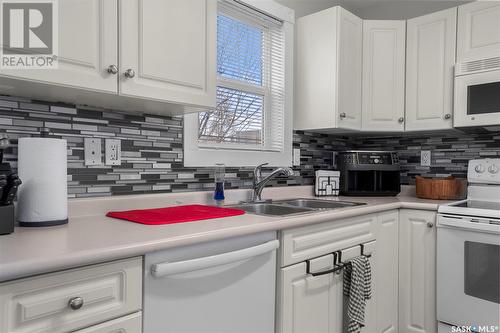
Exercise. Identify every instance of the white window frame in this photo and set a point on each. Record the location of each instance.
(198, 154)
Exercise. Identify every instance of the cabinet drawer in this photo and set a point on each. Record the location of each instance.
(41, 303)
(127, 324)
(312, 241)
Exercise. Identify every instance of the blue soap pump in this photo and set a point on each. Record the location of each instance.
(220, 172)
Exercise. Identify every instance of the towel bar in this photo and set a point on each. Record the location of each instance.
(338, 264)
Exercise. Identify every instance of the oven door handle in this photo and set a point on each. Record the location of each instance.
(468, 224)
(178, 267)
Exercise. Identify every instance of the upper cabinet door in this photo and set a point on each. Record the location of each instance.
(430, 60)
(350, 52)
(168, 50)
(88, 46)
(478, 31)
(383, 75)
(328, 71)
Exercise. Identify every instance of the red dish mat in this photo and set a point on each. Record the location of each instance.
(177, 214)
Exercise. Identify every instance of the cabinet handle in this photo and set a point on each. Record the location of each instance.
(342, 115)
(112, 69)
(447, 116)
(75, 303)
(430, 224)
(129, 73)
(401, 120)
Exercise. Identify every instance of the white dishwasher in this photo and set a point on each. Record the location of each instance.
(220, 286)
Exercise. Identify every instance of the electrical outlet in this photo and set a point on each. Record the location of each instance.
(92, 151)
(425, 158)
(296, 156)
(113, 152)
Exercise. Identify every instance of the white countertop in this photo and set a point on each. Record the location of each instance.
(90, 237)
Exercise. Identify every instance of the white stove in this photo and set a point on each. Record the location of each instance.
(483, 193)
(468, 254)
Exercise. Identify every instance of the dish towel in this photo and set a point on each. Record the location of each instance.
(357, 287)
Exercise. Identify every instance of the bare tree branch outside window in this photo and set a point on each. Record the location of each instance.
(238, 116)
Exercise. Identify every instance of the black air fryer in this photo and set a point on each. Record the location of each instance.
(8, 190)
(369, 173)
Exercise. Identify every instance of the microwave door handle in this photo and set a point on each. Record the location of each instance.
(179, 267)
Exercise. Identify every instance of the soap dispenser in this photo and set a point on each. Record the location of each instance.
(219, 175)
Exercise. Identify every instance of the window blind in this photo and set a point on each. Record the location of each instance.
(250, 93)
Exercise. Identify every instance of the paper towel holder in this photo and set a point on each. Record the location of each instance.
(39, 206)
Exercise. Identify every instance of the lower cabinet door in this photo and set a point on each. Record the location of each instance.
(417, 271)
(382, 309)
(308, 303)
(126, 324)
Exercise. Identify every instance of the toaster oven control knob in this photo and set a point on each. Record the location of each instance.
(376, 160)
(493, 168)
(479, 168)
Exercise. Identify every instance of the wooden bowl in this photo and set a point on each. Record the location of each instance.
(449, 188)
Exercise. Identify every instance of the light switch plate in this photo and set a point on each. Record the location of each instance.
(92, 151)
(113, 152)
(296, 157)
(425, 158)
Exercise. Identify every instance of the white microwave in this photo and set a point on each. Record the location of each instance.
(477, 93)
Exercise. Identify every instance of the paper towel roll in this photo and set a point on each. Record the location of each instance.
(43, 196)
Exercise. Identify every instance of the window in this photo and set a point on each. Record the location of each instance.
(252, 119)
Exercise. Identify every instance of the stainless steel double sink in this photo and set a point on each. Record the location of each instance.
(292, 206)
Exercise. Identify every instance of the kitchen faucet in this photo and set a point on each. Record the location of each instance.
(259, 182)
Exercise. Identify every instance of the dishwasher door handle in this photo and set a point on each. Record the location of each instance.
(178, 267)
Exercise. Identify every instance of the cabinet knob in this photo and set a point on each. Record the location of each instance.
(112, 69)
(401, 119)
(342, 115)
(75, 303)
(447, 116)
(129, 73)
(430, 224)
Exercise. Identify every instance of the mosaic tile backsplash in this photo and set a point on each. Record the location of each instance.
(152, 155)
(450, 152)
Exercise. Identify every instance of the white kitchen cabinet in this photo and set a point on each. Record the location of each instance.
(73, 299)
(309, 303)
(299, 244)
(382, 309)
(126, 324)
(430, 60)
(167, 50)
(328, 71)
(161, 57)
(478, 31)
(417, 271)
(88, 45)
(383, 102)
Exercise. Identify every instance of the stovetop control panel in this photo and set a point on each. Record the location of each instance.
(484, 171)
